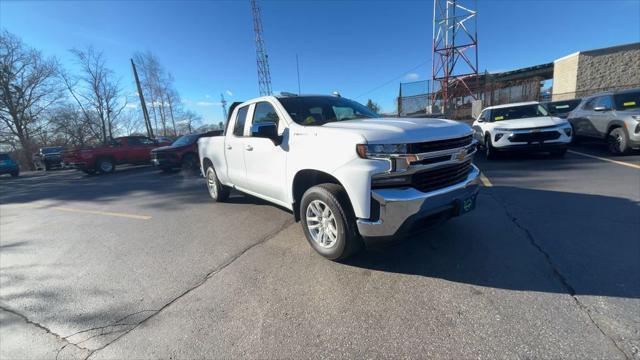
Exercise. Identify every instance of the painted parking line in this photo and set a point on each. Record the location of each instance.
(485, 181)
(85, 211)
(633, 166)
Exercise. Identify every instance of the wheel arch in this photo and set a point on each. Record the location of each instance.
(614, 125)
(305, 179)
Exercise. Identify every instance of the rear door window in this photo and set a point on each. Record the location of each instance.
(241, 118)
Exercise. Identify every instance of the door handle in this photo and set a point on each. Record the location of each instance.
(249, 148)
(229, 147)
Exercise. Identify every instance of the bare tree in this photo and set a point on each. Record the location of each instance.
(28, 88)
(188, 121)
(70, 124)
(159, 90)
(96, 91)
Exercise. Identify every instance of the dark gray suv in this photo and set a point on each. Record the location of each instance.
(613, 116)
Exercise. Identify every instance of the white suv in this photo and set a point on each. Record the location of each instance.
(523, 126)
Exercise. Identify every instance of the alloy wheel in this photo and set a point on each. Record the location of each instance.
(321, 224)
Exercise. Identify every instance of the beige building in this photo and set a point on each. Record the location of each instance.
(589, 72)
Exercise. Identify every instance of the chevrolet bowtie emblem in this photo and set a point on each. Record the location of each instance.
(461, 155)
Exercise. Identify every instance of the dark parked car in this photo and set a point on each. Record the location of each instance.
(562, 108)
(8, 165)
(48, 158)
(612, 116)
(182, 153)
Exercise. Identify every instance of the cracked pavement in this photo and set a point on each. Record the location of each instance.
(545, 267)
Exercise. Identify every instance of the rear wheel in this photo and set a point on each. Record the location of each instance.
(617, 141)
(106, 165)
(218, 192)
(328, 222)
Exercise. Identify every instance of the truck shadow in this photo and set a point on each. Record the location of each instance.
(530, 240)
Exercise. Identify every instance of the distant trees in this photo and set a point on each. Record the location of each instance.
(28, 87)
(373, 106)
(43, 104)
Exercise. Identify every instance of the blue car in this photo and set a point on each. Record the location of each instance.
(8, 165)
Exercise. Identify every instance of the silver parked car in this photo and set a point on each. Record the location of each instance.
(613, 116)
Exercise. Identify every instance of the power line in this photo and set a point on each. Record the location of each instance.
(392, 80)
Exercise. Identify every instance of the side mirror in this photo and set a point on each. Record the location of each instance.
(600, 108)
(267, 130)
(480, 120)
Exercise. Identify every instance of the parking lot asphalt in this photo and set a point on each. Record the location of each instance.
(141, 264)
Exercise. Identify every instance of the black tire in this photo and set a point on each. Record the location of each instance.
(106, 165)
(618, 141)
(47, 167)
(217, 191)
(189, 163)
(559, 152)
(347, 240)
(15, 173)
(489, 151)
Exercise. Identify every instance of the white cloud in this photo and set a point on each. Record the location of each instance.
(131, 106)
(229, 93)
(412, 76)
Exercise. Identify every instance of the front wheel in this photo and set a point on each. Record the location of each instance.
(617, 141)
(218, 192)
(328, 222)
(489, 150)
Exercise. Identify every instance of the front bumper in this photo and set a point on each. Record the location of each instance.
(402, 208)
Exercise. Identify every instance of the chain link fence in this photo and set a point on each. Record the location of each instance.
(416, 99)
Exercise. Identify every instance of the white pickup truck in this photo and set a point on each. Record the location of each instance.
(350, 176)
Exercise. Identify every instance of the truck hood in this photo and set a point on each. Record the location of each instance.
(536, 122)
(399, 130)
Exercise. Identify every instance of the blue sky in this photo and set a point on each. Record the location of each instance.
(351, 46)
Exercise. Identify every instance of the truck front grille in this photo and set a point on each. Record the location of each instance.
(441, 177)
(423, 147)
(534, 136)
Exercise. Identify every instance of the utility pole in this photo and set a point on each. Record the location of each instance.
(145, 113)
(262, 60)
(224, 107)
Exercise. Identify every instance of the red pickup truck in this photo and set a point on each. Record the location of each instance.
(103, 159)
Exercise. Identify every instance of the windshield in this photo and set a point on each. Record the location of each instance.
(319, 110)
(186, 140)
(51, 150)
(630, 100)
(518, 112)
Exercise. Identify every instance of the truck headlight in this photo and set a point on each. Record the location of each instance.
(378, 151)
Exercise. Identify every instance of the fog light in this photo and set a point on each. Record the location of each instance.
(498, 137)
(567, 131)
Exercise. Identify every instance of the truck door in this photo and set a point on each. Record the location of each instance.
(265, 161)
(234, 149)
